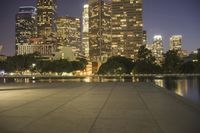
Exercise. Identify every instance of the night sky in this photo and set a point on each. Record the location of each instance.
(165, 17)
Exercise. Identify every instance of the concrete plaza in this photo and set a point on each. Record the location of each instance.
(74, 107)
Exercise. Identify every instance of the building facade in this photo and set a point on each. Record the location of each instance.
(85, 30)
(44, 50)
(1, 47)
(158, 49)
(127, 27)
(46, 20)
(144, 39)
(99, 29)
(69, 33)
(176, 43)
(25, 26)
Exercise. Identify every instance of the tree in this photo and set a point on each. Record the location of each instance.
(61, 66)
(188, 67)
(145, 64)
(145, 55)
(172, 62)
(2, 65)
(77, 65)
(58, 66)
(19, 62)
(112, 67)
(198, 55)
(80, 64)
(197, 66)
(117, 65)
(84, 61)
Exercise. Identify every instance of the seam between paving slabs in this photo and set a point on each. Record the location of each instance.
(58, 107)
(147, 108)
(100, 111)
(36, 100)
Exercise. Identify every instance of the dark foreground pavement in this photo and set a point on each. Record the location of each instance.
(94, 108)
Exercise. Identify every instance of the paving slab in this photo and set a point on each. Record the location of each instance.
(73, 107)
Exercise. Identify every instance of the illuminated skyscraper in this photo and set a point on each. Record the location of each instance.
(99, 29)
(46, 20)
(144, 39)
(176, 43)
(62, 27)
(69, 33)
(25, 26)
(158, 49)
(127, 27)
(85, 30)
(1, 47)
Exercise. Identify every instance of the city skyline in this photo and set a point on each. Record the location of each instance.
(153, 12)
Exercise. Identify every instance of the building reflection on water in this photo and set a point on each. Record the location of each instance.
(185, 87)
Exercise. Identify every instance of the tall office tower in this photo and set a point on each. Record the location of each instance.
(127, 27)
(85, 30)
(46, 20)
(69, 33)
(25, 27)
(158, 49)
(176, 43)
(1, 47)
(99, 29)
(144, 38)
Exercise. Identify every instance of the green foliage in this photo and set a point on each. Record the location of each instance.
(117, 65)
(197, 66)
(2, 65)
(198, 55)
(79, 65)
(188, 67)
(61, 66)
(145, 55)
(145, 63)
(19, 62)
(84, 61)
(172, 62)
(112, 68)
(145, 67)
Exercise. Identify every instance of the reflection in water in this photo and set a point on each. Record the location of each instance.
(186, 87)
(87, 79)
(159, 82)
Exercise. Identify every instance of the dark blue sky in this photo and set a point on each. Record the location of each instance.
(165, 17)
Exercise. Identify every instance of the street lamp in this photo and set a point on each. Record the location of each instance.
(33, 65)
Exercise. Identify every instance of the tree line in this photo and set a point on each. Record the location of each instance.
(146, 64)
(35, 63)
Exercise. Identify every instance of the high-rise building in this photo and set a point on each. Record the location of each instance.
(62, 29)
(176, 43)
(1, 47)
(85, 30)
(99, 29)
(144, 39)
(46, 20)
(158, 49)
(25, 26)
(69, 33)
(127, 27)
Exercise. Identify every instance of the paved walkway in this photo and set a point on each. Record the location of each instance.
(94, 108)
